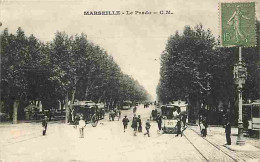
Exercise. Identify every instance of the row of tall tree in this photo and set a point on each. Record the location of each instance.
(195, 68)
(64, 69)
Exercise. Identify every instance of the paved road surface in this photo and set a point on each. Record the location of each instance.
(106, 142)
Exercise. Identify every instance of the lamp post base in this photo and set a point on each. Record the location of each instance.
(240, 140)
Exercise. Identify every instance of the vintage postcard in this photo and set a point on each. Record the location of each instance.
(129, 80)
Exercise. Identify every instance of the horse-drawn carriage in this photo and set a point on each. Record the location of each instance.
(90, 112)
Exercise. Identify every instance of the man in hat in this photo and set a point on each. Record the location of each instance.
(134, 124)
(125, 122)
(159, 121)
(228, 132)
(44, 125)
(139, 123)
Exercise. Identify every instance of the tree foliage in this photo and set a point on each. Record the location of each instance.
(67, 66)
(194, 68)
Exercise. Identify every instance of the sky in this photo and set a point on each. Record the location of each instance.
(135, 41)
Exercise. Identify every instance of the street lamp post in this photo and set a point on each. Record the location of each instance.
(240, 74)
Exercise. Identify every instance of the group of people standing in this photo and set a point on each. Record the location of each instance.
(113, 113)
(137, 125)
(227, 125)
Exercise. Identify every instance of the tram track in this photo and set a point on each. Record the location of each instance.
(196, 148)
(212, 144)
(193, 145)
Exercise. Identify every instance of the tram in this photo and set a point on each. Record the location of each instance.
(251, 117)
(126, 105)
(170, 113)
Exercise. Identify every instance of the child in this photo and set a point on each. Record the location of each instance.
(82, 124)
(125, 122)
(147, 127)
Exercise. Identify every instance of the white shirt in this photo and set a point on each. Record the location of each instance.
(175, 114)
(202, 126)
(82, 124)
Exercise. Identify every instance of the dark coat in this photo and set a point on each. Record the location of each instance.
(125, 121)
(178, 124)
(205, 123)
(139, 122)
(228, 128)
(44, 122)
(159, 119)
(134, 122)
(147, 125)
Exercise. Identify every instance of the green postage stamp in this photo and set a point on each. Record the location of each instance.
(237, 24)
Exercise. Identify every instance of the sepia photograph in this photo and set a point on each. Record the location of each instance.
(130, 81)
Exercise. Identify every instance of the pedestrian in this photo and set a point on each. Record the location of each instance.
(178, 125)
(228, 132)
(103, 113)
(44, 125)
(82, 124)
(202, 129)
(184, 118)
(111, 115)
(119, 115)
(204, 122)
(159, 121)
(134, 109)
(134, 124)
(139, 123)
(147, 127)
(125, 122)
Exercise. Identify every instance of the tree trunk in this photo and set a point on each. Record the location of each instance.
(59, 105)
(67, 108)
(72, 101)
(1, 106)
(15, 110)
(73, 95)
(86, 94)
(110, 103)
(100, 98)
(198, 105)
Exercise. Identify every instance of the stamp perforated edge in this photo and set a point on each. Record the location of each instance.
(220, 22)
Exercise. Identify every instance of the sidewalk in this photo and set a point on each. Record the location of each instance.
(13, 133)
(216, 136)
